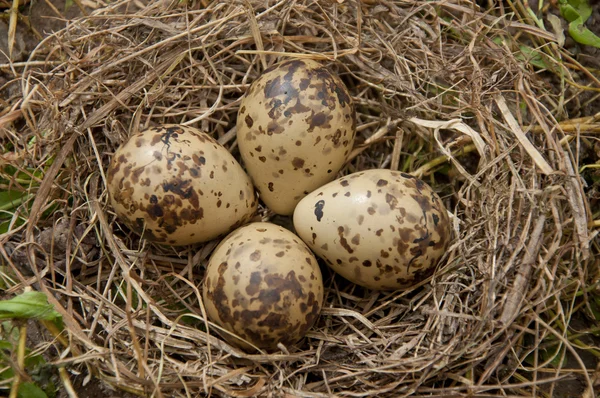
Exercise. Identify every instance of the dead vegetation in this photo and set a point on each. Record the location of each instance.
(442, 91)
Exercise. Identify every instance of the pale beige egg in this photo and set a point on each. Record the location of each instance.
(264, 285)
(380, 229)
(176, 185)
(295, 128)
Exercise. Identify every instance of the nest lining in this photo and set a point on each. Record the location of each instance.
(436, 95)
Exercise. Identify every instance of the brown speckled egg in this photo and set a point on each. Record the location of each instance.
(295, 129)
(176, 185)
(381, 229)
(264, 285)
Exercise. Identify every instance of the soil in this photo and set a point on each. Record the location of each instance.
(39, 19)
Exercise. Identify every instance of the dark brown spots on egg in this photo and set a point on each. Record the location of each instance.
(270, 186)
(317, 120)
(304, 82)
(379, 232)
(297, 163)
(279, 254)
(135, 175)
(319, 209)
(391, 201)
(254, 284)
(382, 183)
(273, 87)
(274, 128)
(344, 183)
(347, 194)
(368, 194)
(298, 143)
(199, 160)
(258, 148)
(255, 256)
(249, 121)
(154, 210)
(262, 159)
(356, 239)
(336, 138)
(367, 263)
(419, 184)
(216, 293)
(370, 210)
(296, 109)
(343, 240)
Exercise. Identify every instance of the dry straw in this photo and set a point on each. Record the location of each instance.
(439, 93)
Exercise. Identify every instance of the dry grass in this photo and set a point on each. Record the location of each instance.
(436, 95)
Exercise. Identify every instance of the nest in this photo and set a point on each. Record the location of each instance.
(439, 93)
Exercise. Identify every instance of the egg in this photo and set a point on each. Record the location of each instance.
(176, 185)
(264, 285)
(380, 229)
(295, 128)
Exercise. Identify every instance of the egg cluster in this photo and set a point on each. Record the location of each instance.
(296, 126)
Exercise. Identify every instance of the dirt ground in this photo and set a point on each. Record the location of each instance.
(40, 19)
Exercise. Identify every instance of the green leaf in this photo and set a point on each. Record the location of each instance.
(4, 225)
(29, 305)
(552, 354)
(572, 10)
(5, 345)
(10, 200)
(583, 35)
(533, 57)
(30, 390)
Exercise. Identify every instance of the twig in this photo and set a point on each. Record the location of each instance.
(517, 291)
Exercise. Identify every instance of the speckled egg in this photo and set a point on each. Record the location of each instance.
(176, 185)
(380, 229)
(295, 128)
(264, 285)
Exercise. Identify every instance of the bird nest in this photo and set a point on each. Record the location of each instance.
(441, 92)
